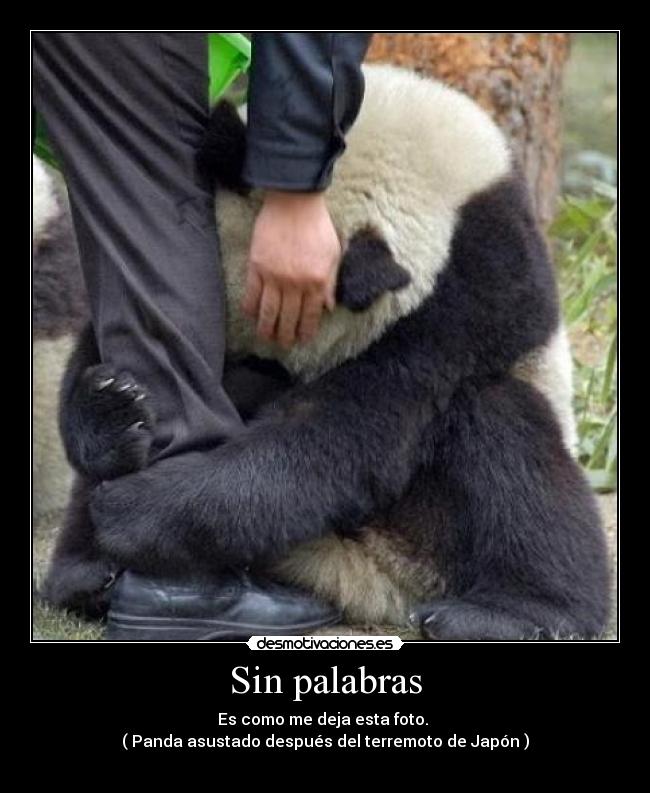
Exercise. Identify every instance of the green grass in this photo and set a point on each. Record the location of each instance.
(51, 623)
(585, 241)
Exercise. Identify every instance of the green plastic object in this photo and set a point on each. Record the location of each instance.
(229, 55)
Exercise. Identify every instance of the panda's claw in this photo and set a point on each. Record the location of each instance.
(102, 384)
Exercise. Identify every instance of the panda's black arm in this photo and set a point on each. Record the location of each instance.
(325, 457)
(496, 300)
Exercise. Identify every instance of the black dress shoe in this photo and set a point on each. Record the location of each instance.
(234, 607)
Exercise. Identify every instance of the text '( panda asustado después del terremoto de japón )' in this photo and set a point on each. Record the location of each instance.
(327, 731)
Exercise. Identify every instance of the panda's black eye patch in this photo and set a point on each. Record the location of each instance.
(368, 270)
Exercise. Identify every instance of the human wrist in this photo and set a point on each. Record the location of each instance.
(293, 199)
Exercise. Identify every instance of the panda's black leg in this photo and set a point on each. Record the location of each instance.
(79, 577)
(106, 418)
(522, 542)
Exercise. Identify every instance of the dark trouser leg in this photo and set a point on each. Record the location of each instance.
(126, 112)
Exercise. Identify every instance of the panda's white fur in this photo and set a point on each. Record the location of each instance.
(45, 204)
(550, 370)
(409, 186)
(375, 579)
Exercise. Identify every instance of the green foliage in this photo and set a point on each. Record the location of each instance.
(585, 239)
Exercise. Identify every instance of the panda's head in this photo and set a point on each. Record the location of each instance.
(415, 155)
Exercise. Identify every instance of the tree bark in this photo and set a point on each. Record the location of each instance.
(516, 77)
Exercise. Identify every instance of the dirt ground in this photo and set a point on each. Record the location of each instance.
(50, 624)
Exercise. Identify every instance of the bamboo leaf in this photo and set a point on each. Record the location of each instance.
(612, 451)
(598, 457)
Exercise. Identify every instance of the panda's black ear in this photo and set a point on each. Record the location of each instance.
(220, 157)
(368, 270)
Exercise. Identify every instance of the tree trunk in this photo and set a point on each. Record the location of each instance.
(516, 77)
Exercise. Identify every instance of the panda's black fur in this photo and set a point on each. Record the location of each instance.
(426, 437)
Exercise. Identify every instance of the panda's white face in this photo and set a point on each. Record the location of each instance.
(415, 155)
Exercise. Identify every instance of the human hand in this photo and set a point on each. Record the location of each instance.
(292, 267)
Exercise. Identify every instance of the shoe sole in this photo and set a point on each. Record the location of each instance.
(125, 628)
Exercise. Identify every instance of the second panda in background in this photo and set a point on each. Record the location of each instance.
(414, 459)
(59, 312)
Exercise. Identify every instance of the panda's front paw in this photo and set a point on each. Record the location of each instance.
(114, 422)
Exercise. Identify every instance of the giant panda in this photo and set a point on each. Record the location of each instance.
(416, 462)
